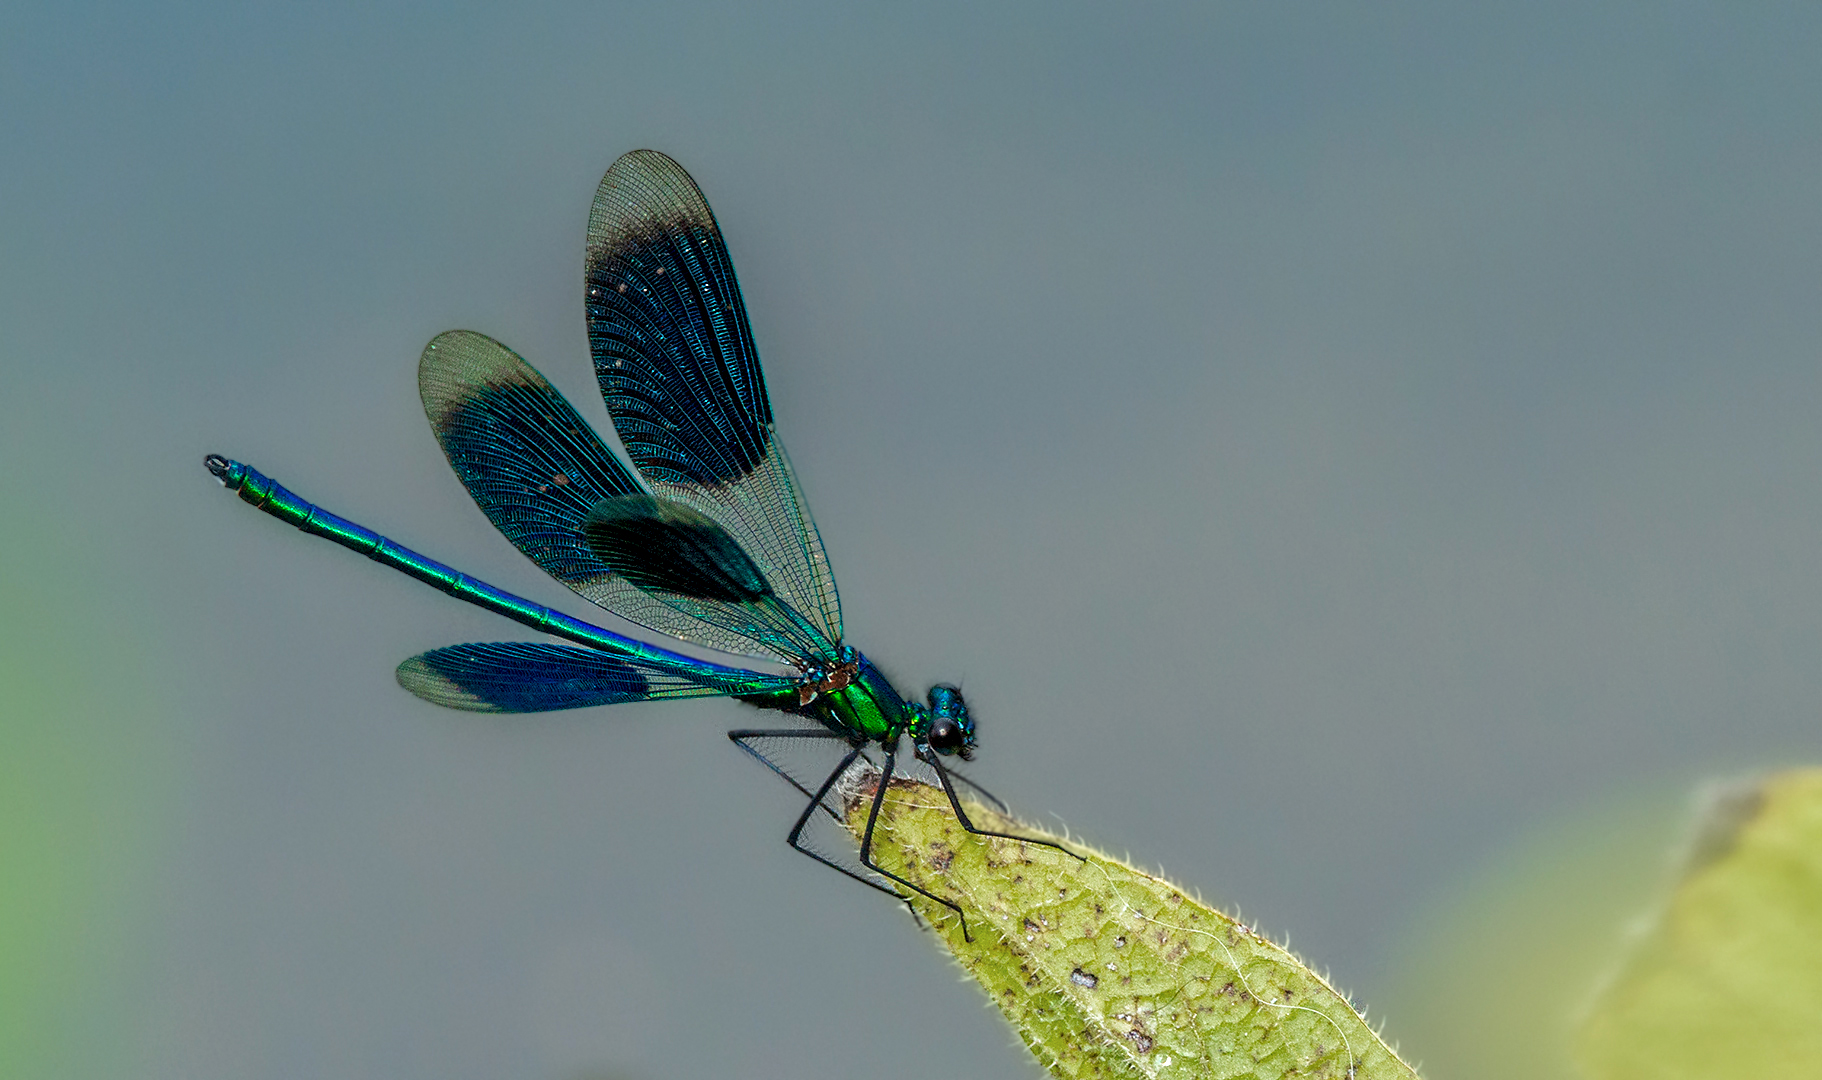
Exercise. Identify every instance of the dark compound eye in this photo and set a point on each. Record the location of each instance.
(945, 735)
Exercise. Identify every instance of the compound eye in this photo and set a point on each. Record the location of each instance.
(945, 735)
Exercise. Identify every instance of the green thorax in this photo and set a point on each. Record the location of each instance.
(868, 706)
(851, 697)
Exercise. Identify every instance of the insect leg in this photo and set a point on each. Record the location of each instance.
(979, 790)
(803, 819)
(866, 847)
(740, 737)
(962, 815)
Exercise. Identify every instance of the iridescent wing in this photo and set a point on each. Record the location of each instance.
(685, 559)
(519, 677)
(538, 471)
(677, 365)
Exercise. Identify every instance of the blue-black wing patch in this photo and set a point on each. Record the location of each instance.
(537, 470)
(685, 559)
(533, 465)
(677, 365)
(673, 351)
(521, 677)
(666, 547)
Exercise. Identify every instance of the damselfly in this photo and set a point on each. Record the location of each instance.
(706, 538)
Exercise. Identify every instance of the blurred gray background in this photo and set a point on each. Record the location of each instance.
(1327, 441)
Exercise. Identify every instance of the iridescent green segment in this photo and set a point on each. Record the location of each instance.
(870, 704)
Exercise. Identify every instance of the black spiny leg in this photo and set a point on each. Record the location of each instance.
(804, 819)
(979, 790)
(866, 846)
(740, 739)
(962, 815)
(741, 735)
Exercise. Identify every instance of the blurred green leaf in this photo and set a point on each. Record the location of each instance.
(81, 800)
(1106, 971)
(1488, 980)
(1727, 981)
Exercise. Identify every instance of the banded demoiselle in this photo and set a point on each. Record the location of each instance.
(705, 539)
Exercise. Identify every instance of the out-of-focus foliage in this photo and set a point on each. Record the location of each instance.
(1488, 981)
(1107, 971)
(79, 773)
(1727, 981)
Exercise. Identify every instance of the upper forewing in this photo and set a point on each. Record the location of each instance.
(537, 470)
(677, 365)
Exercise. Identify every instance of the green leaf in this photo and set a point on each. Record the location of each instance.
(1727, 981)
(1488, 976)
(1107, 971)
